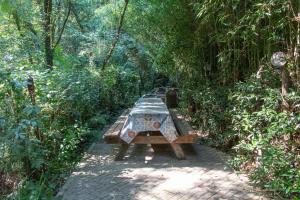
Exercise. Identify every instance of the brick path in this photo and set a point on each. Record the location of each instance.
(145, 175)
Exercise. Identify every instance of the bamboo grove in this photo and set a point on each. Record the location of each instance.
(69, 67)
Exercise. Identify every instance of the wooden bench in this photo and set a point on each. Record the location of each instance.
(111, 136)
(186, 135)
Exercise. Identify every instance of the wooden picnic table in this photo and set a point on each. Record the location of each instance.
(150, 122)
(149, 114)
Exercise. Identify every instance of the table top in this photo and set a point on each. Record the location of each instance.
(150, 106)
(149, 114)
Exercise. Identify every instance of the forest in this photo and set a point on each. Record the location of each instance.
(69, 67)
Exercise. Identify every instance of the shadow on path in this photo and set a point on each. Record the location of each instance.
(144, 174)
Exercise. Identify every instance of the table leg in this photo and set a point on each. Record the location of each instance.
(122, 151)
(178, 151)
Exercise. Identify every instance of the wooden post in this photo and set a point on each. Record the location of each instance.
(284, 81)
(279, 60)
(284, 87)
(31, 89)
(31, 92)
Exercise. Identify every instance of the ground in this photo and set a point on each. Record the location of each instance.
(145, 175)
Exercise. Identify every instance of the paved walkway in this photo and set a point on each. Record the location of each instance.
(145, 175)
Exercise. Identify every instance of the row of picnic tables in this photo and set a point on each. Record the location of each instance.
(149, 116)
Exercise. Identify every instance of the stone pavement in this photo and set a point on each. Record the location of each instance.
(145, 175)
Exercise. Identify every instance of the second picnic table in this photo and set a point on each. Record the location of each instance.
(150, 122)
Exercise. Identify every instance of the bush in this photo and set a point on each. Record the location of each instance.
(209, 116)
(266, 135)
(42, 141)
(249, 122)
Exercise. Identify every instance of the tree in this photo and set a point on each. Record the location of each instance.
(49, 32)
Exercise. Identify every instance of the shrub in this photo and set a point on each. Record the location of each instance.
(249, 122)
(266, 135)
(41, 142)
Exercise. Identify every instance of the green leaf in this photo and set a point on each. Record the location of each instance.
(5, 6)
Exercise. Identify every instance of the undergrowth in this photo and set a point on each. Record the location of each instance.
(250, 124)
(42, 141)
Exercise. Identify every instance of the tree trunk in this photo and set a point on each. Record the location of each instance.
(18, 24)
(113, 45)
(47, 34)
(77, 18)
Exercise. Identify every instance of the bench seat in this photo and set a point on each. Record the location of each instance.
(111, 136)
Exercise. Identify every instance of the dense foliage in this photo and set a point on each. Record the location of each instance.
(44, 129)
(217, 52)
(267, 137)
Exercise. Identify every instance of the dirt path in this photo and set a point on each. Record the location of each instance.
(145, 175)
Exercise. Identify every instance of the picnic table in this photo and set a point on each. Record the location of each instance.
(150, 122)
(149, 114)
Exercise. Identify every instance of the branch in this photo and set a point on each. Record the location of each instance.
(17, 20)
(30, 27)
(77, 18)
(113, 45)
(63, 27)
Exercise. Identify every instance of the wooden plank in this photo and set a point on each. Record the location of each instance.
(188, 139)
(112, 139)
(178, 151)
(111, 136)
(149, 140)
(181, 124)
